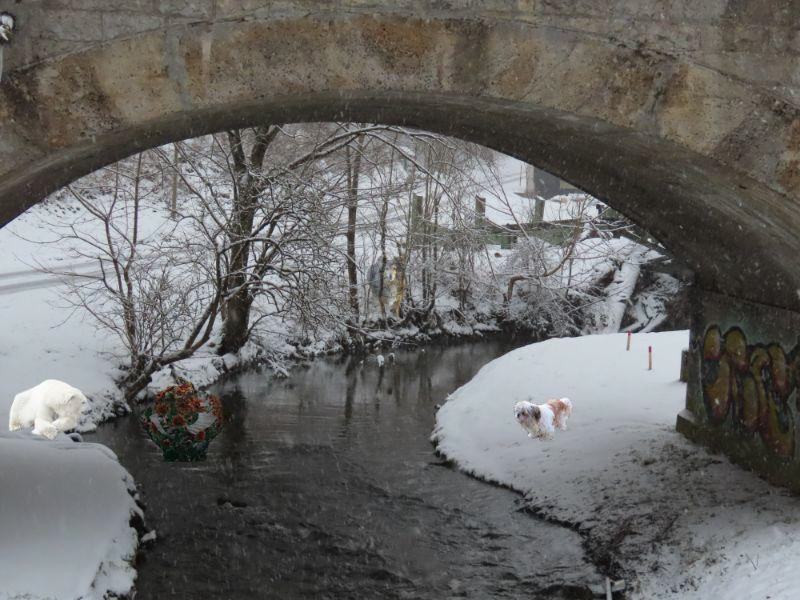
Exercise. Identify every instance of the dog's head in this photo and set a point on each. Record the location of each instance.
(7, 26)
(527, 412)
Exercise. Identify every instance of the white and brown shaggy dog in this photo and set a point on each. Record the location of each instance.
(49, 407)
(541, 420)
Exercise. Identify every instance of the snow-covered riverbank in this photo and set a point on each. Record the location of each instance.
(65, 514)
(679, 521)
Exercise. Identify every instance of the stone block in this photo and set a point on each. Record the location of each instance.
(71, 25)
(194, 9)
(121, 24)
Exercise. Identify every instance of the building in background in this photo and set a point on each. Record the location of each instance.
(544, 185)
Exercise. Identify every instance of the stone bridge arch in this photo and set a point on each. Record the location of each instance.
(682, 115)
(703, 157)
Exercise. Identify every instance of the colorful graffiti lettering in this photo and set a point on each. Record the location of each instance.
(751, 385)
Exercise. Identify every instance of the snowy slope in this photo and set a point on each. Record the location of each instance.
(684, 523)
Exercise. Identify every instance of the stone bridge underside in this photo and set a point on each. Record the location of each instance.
(680, 114)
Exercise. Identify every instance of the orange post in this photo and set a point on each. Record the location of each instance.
(649, 358)
(629, 341)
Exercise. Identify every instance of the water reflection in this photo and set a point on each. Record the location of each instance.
(324, 485)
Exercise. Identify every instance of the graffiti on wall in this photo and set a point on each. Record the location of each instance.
(750, 387)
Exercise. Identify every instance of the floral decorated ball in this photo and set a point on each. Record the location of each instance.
(182, 423)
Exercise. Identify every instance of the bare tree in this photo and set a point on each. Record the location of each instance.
(133, 293)
(278, 182)
(353, 155)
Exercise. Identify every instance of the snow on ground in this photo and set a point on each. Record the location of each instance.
(681, 522)
(36, 344)
(65, 510)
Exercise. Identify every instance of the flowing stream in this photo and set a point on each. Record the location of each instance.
(325, 485)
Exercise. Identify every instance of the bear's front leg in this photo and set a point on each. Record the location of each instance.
(44, 427)
(65, 423)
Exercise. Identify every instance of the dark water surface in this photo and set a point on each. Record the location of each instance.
(325, 485)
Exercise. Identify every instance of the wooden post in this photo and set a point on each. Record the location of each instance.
(629, 341)
(649, 358)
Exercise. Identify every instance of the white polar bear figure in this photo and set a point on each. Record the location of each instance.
(49, 407)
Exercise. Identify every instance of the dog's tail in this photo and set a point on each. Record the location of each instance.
(567, 404)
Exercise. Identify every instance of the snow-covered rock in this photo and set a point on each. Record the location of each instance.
(65, 512)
